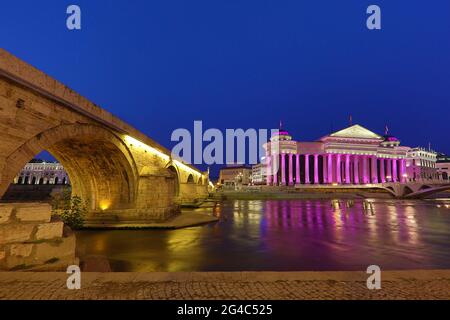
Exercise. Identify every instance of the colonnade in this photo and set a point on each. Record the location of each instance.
(332, 168)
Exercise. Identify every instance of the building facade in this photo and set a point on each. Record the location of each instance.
(259, 173)
(42, 172)
(354, 155)
(233, 176)
(421, 164)
(443, 166)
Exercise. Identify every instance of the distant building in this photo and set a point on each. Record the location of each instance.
(421, 164)
(443, 166)
(233, 176)
(259, 173)
(42, 172)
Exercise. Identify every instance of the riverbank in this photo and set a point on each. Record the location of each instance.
(188, 218)
(410, 284)
(317, 194)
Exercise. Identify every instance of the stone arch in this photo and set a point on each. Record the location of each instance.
(190, 178)
(174, 171)
(407, 190)
(200, 180)
(99, 165)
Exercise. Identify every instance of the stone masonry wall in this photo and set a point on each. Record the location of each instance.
(30, 239)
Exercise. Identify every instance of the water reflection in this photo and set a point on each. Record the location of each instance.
(288, 235)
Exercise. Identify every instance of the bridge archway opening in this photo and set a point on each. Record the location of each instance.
(100, 168)
(407, 190)
(190, 179)
(176, 182)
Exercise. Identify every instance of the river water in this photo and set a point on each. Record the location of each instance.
(288, 235)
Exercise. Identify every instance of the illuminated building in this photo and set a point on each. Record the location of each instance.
(235, 175)
(259, 173)
(421, 164)
(443, 166)
(42, 172)
(354, 155)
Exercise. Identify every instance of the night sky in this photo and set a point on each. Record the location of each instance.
(162, 64)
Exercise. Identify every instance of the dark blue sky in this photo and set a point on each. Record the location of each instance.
(160, 65)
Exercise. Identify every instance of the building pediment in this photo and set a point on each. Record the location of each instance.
(355, 132)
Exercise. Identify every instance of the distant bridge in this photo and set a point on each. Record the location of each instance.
(408, 190)
(415, 189)
(123, 174)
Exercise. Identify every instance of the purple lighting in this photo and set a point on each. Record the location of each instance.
(316, 169)
(291, 173)
(307, 169)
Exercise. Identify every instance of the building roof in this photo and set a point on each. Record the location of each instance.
(355, 131)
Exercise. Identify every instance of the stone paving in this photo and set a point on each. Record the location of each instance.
(418, 284)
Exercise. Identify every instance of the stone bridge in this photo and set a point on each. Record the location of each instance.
(122, 174)
(413, 190)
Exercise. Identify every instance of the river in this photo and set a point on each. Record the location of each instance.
(288, 235)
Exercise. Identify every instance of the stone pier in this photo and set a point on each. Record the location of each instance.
(31, 239)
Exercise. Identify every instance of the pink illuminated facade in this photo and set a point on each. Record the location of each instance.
(354, 155)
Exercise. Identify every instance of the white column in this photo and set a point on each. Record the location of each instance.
(307, 181)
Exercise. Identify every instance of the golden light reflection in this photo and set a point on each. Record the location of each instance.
(104, 204)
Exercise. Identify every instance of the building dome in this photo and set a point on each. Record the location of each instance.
(281, 135)
(389, 138)
(281, 132)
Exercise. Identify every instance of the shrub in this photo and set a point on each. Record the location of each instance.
(71, 209)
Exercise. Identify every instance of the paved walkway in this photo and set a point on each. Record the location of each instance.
(227, 286)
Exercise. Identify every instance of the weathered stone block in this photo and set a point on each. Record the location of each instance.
(49, 250)
(50, 230)
(38, 212)
(21, 250)
(5, 213)
(2, 255)
(15, 232)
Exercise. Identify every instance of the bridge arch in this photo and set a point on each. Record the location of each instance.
(100, 166)
(173, 169)
(407, 190)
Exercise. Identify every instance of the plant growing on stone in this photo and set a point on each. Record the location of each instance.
(71, 209)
